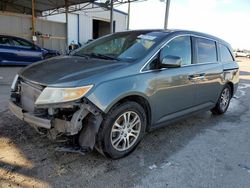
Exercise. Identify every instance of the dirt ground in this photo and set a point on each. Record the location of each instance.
(199, 151)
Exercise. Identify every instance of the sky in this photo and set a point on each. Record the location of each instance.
(227, 19)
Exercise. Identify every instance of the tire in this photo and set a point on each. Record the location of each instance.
(223, 101)
(117, 137)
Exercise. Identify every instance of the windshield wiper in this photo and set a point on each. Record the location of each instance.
(102, 56)
(96, 55)
(81, 55)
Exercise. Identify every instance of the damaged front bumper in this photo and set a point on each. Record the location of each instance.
(80, 117)
(75, 125)
(55, 122)
(28, 117)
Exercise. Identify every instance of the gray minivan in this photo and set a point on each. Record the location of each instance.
(108, 93)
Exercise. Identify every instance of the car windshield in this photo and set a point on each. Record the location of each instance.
(127, 46)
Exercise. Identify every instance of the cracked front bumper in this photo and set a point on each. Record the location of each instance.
(71, 127)
(29, 117)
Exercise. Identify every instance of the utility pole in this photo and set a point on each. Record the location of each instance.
(67, 26)
(166, 14)
(128, 15)
(111, 16)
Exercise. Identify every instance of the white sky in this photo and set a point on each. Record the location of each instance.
(227, 19)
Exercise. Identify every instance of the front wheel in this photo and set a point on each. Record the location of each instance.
(122, 130)
(224, 101)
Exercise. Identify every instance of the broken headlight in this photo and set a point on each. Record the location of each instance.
(52, 95)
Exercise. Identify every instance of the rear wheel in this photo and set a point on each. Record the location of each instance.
(224, 101)
(122, 130)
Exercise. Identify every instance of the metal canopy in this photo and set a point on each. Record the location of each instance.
(25, 6)
(51, 7)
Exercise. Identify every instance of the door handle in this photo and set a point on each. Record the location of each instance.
(197, 76)
(192, 77)
(202, 76)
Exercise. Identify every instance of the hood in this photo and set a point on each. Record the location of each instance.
(65, 69)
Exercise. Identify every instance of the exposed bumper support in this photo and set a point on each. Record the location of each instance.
(88, 131)
(87, 137)
(28, 117)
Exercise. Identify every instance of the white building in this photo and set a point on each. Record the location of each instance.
(91, 23)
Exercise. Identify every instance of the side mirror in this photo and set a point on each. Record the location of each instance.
(171, 62)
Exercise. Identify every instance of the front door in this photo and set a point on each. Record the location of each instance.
(175, 91)
(7, 53)
(26, 53)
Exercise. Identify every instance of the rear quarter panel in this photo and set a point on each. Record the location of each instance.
(231, 74)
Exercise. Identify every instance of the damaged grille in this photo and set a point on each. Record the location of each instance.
(28, 95)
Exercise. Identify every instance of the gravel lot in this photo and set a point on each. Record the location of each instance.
(199, 151)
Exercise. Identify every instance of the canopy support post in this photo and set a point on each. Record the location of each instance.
(111, 16)
(33, 20)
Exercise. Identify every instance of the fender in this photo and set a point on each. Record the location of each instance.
(106, 94)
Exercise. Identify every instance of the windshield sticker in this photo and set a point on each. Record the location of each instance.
(147, 37)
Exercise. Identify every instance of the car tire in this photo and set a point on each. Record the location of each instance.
(121, 131)
(223, 101)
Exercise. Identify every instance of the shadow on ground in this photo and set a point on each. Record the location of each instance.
(44, 166)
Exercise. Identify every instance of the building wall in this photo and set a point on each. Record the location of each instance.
(73, 28)
(85, 26)
(80, 26)
(20, 25)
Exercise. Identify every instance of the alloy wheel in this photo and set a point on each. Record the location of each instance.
(225, 98)
(125, 131)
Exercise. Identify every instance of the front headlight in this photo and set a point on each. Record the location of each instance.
(58, 95)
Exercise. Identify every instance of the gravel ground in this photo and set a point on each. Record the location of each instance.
(199, 151)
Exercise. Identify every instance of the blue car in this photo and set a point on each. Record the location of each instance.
(18, 51)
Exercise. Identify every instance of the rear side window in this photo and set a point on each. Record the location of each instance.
(225, 54)
(181, 47)
(206, 50)
(4, 41)
(21, 43)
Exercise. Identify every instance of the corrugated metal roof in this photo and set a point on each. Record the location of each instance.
(25, 6)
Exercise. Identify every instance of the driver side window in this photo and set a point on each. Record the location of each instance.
(181, 47)
(21, 43)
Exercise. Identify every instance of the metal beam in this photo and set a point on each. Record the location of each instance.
(33, 19)
(70, 10)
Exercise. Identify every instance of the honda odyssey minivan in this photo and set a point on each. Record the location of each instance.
(112, 91)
